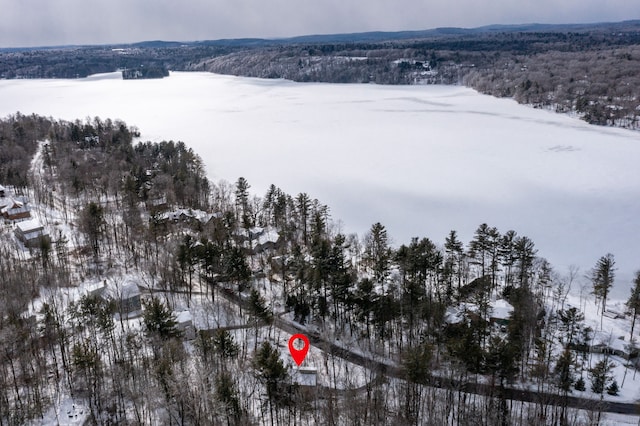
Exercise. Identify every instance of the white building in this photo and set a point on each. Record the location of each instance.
(185, 325)
(30, 232)
(305, 376)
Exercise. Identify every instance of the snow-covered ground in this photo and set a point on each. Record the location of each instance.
(420, 159)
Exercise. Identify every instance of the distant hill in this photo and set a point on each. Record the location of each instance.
(369, 36)
(588, 69)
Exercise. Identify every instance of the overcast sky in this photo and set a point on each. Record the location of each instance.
(56, 22)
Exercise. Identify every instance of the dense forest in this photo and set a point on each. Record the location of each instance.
(589, 70)
(401, 335)
(591, 74)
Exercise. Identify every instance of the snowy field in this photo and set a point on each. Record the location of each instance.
(420, 159)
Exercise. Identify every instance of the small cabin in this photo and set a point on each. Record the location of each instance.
(501, 312)
(158, 204)
(128, 301)
(613, 314)
(305, 376)
(97, 290)
(185, 325)
(31, 233)
(15, 210)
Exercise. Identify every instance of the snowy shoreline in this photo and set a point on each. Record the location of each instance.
(420, 159)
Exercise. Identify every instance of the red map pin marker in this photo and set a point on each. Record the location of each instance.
(299, 355)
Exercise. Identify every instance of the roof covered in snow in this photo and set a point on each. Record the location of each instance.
(184, 317)
(178, 214)
(305, 376)
(501, 309)
(29, 226)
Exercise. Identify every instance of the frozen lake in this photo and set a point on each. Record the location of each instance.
(420, 159)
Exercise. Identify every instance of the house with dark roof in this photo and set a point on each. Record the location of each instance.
(15, 210)
(128, 301)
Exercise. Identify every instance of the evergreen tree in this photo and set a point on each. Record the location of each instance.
(158, 320)
(225, 344)
(227, 394)
(602, 277)
(363, 298)
(237, 268)
(454, 250)
(508, 255)
(93, 225)
(501, 359)
(303, 207)
(633, 304)
(525, 253)
(417, 362)
(563, 370)
(270, 370)
(258, 308)
(600, 376)
(243, 210)
(377, 252)
(479, 247)
(570, 321)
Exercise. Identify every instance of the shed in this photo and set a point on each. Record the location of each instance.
(30, 232)
(501, 311)
(97, 290)
(128, 301)
(158, 204)
(305, 376)
(185, 325)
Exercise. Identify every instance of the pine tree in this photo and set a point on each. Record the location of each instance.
(479, 247)
(225, 344)
(270, 370)
(507, 255)
(92, 223)
(602, 277)
(258, 307)
(570, 320)
(563, 370)
(633, 304)
(377, 252)
(525, 253)
(227, 394)
(158, 320)
(455, 252)
(600, 376)
(243, 210)
(236, 267)
(303, 206)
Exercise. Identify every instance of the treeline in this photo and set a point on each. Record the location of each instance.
(418, 317)
(589, 70)
(79, 62)
(591, 73)
(97, 160)
(601, 86)
(144, 73)
(18, 143)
